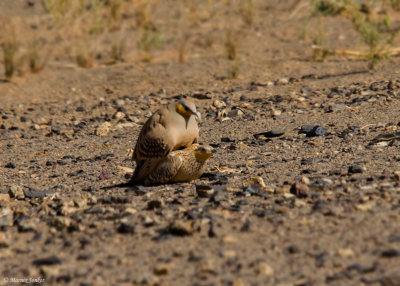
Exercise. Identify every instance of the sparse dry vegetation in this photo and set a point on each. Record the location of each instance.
(372, 21)
(112, 22)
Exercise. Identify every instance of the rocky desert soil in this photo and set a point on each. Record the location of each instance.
(303, 189)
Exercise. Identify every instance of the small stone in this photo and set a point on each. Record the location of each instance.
(305, 180)
(124, 170)
(229, 239)
(130, 211)
(51, 260)
(219, 104)
(4, 199)
(6, 217)
(16, 192)
(306, 129)
(397, 175)
(25, 225)
(80, 109)
(299, 189)
(365, 206)
(104, 175)
(61, 222)
(103, 129)
(4, 240)
(265, 269)
(80, 202)
(276, 112)
(283, 81)
(35, 127)
(390, 253)
(149, 280)
(181, 228)
(355, 169)
(50, 272)
(269, 134)
(235, 113)
(317, 131)
(204, 191)
(207, 266)
(161, 269)
(305, 89)
(228, 254)
(346, 252)
(126, 227)
(10, 165)
(155, 204)
(258, 181)
(119, 115)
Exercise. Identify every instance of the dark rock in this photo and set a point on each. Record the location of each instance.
(270, 134)
(227, 140)
(51, 260)
(104, 175)
(80, 109)
(126, 227)
(50, 163)
(306, 129)
(355, 169)
(56, 129)
(204, 191)
(243, 98)
(317, 131)
(33, 193)
(181, 228)
(299, 189)
(154, 204)
(10, 165)
(305, 90)
(390, 253)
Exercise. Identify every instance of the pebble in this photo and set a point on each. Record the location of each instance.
(346, 252)
(269, 134)
(4, 199)
(355, 169)
(219, 104)
(275, 112)
(317, 131)
(204, 191)
(16, 192)
(119, 115)
(265, 269)
(10, 165)
(305, 180)
(61, 222)
(4, 240)
(181, 228)
(299, 189)
(306, 129)
(24, 225)
(390, 253)
(305, 89)
(126, 227)
(103, 129)
(6, 217)
(257, 181)
(155, 204)
(51, 260)
(161, 269)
